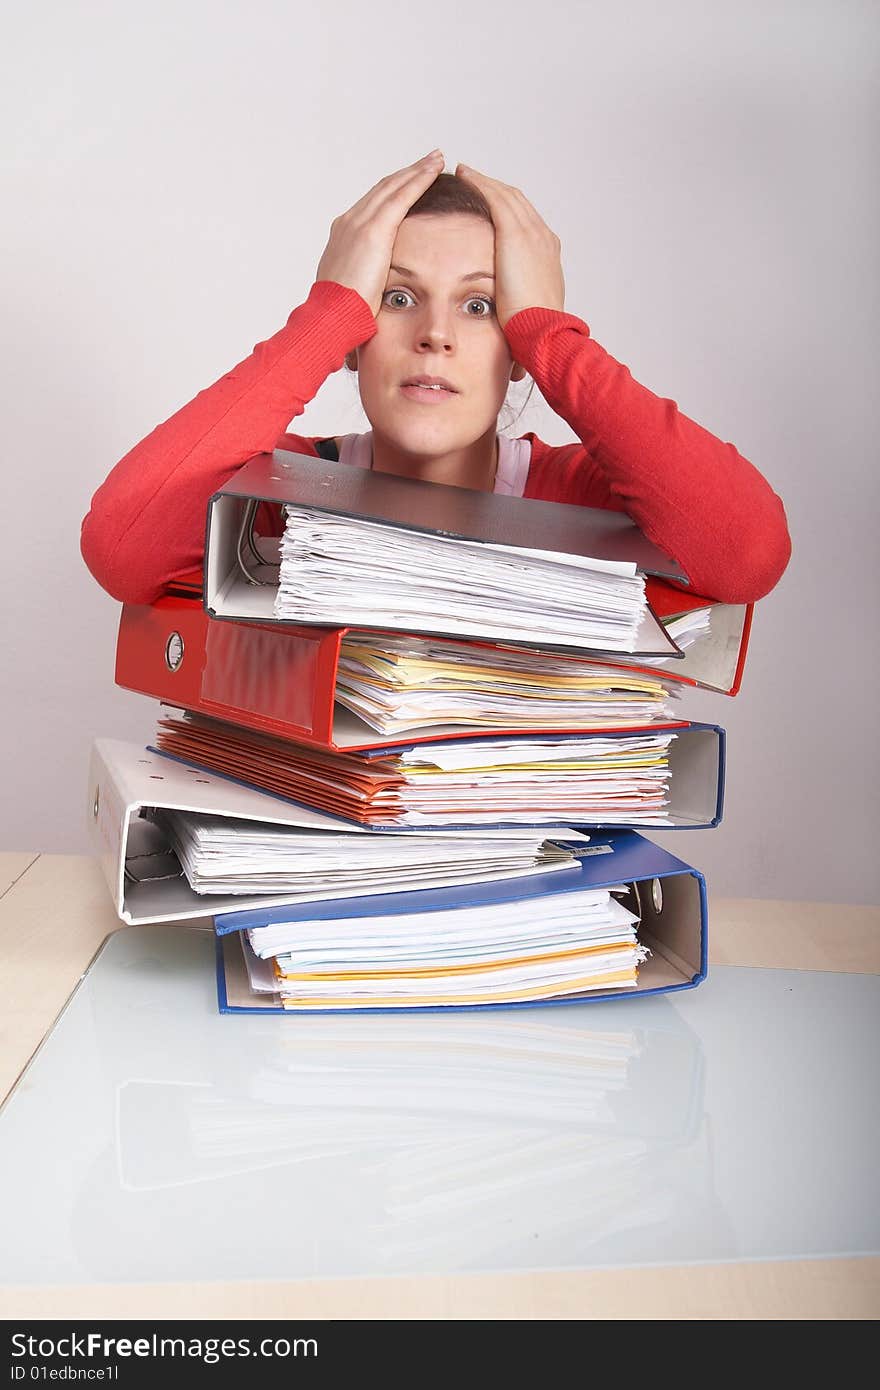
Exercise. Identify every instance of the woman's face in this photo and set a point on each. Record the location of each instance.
(437, 319)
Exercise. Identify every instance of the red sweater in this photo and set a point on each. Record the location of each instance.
(697, 498)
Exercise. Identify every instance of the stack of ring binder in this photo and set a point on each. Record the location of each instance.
(384, 818)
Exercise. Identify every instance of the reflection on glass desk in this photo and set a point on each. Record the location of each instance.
(153, 1139)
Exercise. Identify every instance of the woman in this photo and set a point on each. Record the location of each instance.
(439, 290)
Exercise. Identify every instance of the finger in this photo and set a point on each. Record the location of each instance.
(495, 188)
(391, 204)
(423, 172)
(505, 198)
(410, 171)
(504, 204)
(490, 188)
(396, 201)
(483, 179)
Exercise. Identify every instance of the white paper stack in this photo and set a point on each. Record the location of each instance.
(343, 571)
(541, 780)
(396, 684)
(491, 953)
(620, 778)
(520, 780)
(220, 855)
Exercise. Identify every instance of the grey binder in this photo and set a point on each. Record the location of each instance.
(239, 587)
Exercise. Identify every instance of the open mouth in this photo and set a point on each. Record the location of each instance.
(431, 393)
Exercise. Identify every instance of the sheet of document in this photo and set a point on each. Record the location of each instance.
(500, 952)
(575, 916)
(402, 683)
(341, 570)
(227, 856)
(537, 781)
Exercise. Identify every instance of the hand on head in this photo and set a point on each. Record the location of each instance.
(434, 375)
(528, 265)
(358, 253)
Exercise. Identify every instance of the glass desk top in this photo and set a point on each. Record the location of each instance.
(154, 1139)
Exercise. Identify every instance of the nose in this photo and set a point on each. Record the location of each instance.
(435, 330)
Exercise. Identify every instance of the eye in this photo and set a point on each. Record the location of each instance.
(487, 308)
(391, 295)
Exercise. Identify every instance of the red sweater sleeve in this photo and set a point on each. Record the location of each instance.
(694, 496)
(146, 525)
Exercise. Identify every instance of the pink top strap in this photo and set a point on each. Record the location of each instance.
(514, 458)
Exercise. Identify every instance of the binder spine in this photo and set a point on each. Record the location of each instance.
(722, 775)
(108, 816)
(277, 680)
(160, 650)
(274, 679)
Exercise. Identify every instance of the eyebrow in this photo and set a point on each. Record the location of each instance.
(474, 275)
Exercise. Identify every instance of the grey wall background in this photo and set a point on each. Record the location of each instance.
(169, 176)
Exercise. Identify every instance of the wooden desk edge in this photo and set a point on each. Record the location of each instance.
(845, 1288)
